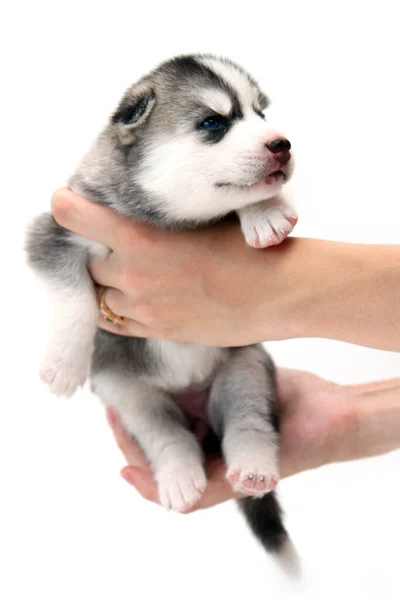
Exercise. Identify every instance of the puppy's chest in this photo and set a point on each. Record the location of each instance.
(180, 366)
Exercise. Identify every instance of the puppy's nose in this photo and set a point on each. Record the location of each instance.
(281, 148)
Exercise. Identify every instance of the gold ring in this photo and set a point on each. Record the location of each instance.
(106, 312)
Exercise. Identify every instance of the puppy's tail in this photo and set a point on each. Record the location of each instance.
(265, 519)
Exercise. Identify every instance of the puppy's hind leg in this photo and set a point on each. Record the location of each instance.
(242, 412)
(160, 429)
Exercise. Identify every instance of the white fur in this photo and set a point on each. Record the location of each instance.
(181, 485)
(289, 560)
(235, 78)
(200, 182)
(74, 321)
(95, 249)
(189, 173)
(217, 101)
(74, 314)
(173, 452)
(266, 223)
(185, 364)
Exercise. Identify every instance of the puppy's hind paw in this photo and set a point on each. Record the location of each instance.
(181, 488)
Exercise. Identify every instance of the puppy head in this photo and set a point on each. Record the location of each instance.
(203, 144)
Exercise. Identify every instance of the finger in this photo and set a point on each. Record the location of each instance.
(118, 303)
(102, 224)
(105, 271)
(143, 481)
(218, 488)
(125, 442)
(128, 327)
(86, 218)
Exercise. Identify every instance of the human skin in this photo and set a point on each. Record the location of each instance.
(321, 423)
(208, 287)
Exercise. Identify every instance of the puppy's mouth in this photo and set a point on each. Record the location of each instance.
(273, 178)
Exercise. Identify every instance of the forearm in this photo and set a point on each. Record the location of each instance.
(208, 287)
(347, 292)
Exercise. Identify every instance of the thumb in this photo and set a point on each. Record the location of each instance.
(86, 218)
(142, 481)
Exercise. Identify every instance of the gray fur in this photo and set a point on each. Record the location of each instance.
(51, 251)
(140, 377)
(132, 356)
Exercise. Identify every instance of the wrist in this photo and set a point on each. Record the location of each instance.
(324, 273)
(293, 288)
(339, 287)
(375, 408)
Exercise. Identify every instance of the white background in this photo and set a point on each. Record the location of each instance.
(70, 527)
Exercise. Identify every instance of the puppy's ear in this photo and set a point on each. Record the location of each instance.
(133, 110)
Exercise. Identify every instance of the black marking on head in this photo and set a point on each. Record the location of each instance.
(213, 136)
(230, 63)
(262, 98)
(190, 70)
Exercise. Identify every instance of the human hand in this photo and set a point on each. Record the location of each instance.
(316, 418)
(203, 286)
(208, 287)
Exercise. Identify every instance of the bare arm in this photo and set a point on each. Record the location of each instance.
(321, 423)
(347, 292)
(208, 287)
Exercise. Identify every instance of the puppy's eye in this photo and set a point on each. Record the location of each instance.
(214, 123)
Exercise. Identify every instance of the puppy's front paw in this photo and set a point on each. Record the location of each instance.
(182, 487)
(267, 225)
(63, 379)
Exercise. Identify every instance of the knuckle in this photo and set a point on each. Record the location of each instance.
(128, 280)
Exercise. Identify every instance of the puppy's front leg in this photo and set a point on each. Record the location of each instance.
(74, 309)
(59, 259)
(267, 223)
(160, 429)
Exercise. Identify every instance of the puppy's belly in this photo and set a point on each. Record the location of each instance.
(193, 402)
